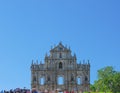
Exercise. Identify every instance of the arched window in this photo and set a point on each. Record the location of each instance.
(60, 80)
(72, 78)
(42, 81)
(78, 80)
(86, 79)
(34, 78)
(60, 65)
(48, 78)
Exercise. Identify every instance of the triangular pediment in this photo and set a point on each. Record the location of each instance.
(60, 47)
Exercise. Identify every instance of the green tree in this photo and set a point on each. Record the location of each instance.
(108, 80)
(92, 88)
(115, 82)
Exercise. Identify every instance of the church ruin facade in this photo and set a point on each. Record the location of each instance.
(60, 70)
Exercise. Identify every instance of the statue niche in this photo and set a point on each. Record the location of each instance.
(60, 65)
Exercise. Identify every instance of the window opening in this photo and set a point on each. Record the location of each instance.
(72, 78)
(60, 80)
(86, 79)
(42, 80)
(34, 79)
(60, 65)
(48, 78)
(78, 80)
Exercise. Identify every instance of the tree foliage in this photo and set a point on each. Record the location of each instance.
(92, 88)
(108, 80)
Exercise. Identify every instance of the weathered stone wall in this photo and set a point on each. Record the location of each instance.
(60, 63)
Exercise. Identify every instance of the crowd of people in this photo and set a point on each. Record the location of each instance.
(56, 91)
(18, 90)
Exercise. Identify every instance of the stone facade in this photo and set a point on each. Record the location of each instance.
(60, 70)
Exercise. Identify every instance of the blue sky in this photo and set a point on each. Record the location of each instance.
(28, 29)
